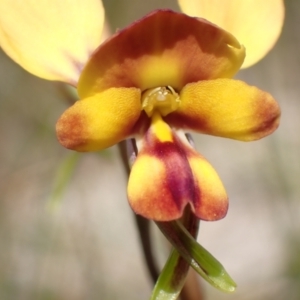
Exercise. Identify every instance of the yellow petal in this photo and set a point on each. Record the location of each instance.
(100, 121)
(256, 24)
(168, 175)
(227, 108)
(51, 39)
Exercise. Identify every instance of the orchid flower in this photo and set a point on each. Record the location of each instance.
(155, 80)
(163, 76)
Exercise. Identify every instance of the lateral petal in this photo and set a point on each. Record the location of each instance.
(51, 39)
(100, 121)
(164, 48)
(256, 24)
(227, 108)
(168, 174)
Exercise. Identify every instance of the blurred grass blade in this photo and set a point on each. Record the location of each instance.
(198, 257)
(62, 178)
(171, 279)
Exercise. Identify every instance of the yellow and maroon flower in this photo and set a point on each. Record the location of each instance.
(162, 76)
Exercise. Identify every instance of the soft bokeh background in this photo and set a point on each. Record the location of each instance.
(87, 248)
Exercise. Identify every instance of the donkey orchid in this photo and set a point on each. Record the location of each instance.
(160, 77)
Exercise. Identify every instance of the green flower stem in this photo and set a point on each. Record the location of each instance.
(173, 275)
(196, 256)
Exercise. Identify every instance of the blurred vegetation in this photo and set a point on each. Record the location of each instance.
(88, 247)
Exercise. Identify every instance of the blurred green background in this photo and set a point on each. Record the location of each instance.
(87, 248)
